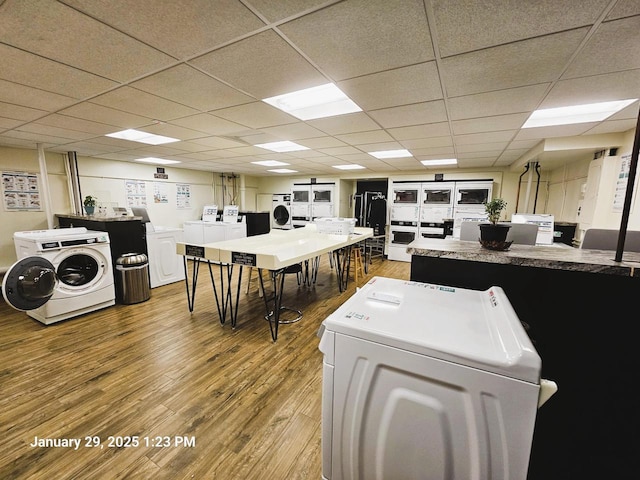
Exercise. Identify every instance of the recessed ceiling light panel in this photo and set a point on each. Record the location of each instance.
(352, 166)
(282, 170)
(439, 161)
(593, 112)
(270, 163)
(142, 137)
(157, 161)
(315, 102)
(284, 146)
(402, 153)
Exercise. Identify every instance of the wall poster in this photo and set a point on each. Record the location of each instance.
(21, 191)
(136, 193)
(183, 196)
(621, 185)
(160, 193)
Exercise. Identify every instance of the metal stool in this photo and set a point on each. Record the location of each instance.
(297, 269)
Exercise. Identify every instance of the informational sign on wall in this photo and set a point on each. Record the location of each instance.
(136, 193)
(160, 193)
(20, 191)
(621, 184)
(183, 195)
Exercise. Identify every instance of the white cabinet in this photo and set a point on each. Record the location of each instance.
(165, 265)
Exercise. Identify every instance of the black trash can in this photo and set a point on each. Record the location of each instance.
(132, 282)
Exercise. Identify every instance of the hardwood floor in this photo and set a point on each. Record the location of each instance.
(229, 403)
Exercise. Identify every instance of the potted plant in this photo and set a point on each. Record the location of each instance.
(493, 235)
(89, 204)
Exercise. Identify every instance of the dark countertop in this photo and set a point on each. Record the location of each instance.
(556, 256)
(98, 218)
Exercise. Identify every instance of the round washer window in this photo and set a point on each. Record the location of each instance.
(77, 270)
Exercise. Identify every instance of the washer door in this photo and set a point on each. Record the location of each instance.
(29, 283)
(77, 270)
(281, 215)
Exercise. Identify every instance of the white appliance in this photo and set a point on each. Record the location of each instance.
(60, 273)
(423, 381)
(198, 233)
(165, 265)
(401, 234)
(300, 205)
(404, 219)
(545, 224)
(322, 201)
(472, 194)
(436, 207)
(469, 201)
(281, 211)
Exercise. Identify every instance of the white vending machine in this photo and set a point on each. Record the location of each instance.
(424, 381)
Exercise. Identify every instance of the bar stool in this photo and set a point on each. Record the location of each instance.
(356, 258)
(291, 269)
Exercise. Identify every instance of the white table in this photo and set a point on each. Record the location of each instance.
(274, 251)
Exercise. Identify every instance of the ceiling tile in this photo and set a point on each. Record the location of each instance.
(528, 62)
(255, 115)
(195, 26)
(269, 66)
(497, 23)
(186, 85)
(501, 102)
(420, 131)
(401, 86)
(613, 47)
(85, 46)
(429, 112)
(138, 102)
(349, 123)
(365, 36)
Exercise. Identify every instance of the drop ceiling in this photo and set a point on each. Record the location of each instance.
(441, 78)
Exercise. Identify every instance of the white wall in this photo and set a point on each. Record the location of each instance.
(106, 180)
(22, 160)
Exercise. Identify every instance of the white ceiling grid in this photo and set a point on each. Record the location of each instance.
(441, 78)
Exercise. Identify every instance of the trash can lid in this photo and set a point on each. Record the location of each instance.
(132, 259)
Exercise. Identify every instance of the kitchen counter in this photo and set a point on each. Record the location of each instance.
(98, 218)
(556, 256)
(578, 307)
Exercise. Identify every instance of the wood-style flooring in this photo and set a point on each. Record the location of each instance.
(223, 403)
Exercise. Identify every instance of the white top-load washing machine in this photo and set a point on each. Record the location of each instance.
(60, 273)
(424, 381)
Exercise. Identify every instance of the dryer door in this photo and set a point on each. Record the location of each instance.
(29, 283)
(281, 215)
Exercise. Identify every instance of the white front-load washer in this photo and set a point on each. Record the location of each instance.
(60, 273)
(281, 211)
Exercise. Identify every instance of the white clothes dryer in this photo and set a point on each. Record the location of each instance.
(60, 273)
(281, 211)
(424, 381)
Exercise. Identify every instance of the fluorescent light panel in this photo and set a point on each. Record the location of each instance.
(315, 102)
(282, 170)
(593, 112)
(391, 153)
(270, 163)
(284, 146)
(352, 166)
(142, 137)
(158, 161)
(440, 161)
